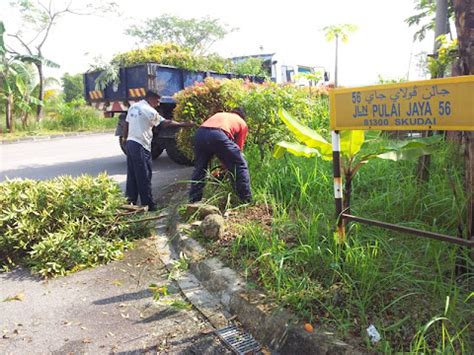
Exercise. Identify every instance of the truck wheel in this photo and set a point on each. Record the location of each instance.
(123, 144)
(155, 151)
(175, 154)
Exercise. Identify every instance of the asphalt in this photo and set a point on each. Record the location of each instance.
(108, 309)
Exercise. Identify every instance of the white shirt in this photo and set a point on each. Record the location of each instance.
(141, 118)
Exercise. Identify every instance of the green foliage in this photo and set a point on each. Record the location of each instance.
(197, 35)
(261, 103)
(76, 116)
(174, 55)
(440, 65)
(397, 282)
(62, 225)
(252, 66)
(73, 87)
(426, 16)
(382, 80)
(198, 102)
(352, 142)
(341, 32)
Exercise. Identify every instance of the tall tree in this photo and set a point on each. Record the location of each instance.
(426, 18)
(15, 82)
(73, 86)
(464, 10)
(40, 17)
(336, 32)
(197, 34)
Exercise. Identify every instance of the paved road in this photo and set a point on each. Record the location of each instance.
(105, 310)
(89, 154)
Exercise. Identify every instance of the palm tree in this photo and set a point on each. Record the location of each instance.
(336, 32)
(16, 82)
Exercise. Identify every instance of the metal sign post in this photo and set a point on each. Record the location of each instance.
(438, 104)
(336, 159)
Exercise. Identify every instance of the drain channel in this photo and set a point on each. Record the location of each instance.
(238, 341)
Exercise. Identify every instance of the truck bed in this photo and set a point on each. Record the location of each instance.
(136, 80)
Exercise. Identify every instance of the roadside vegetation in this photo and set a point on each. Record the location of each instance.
(63, 225)
(406, 286)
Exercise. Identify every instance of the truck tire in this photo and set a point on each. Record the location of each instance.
(175, 154)
(122, 143)
(155, 149)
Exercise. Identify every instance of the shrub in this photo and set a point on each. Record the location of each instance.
(196, 103)
(62, 225)
(261, 103)
(172, 54)
(76, 116)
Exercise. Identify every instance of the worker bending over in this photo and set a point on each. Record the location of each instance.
(222, 135)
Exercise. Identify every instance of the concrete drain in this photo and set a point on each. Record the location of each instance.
(238, 341)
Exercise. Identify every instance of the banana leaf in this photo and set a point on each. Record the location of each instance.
(295, 149)
(351, 142)
(306, 135)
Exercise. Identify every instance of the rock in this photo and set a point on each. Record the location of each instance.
(213, 226)
(200, 210)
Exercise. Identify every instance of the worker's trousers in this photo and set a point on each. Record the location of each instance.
(139, 175)
(213, 141)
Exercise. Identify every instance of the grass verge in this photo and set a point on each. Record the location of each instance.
(404, 285)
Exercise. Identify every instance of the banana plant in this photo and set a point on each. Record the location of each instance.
(312, 144)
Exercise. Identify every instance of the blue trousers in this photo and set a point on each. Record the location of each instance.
(209, 142)
(139, 175)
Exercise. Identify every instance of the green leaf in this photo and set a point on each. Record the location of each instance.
(20, 85)
(35, 101)
(36, 59)
(295, 149)
(305, 134)
(351, 142)
(406, 154)
(3, 49)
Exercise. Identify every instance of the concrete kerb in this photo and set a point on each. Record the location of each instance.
(269, 324)
(53, 136)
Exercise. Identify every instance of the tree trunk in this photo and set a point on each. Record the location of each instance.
(9, 113)
(464, 14)
(39, 108)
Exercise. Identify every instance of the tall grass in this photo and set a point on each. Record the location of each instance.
(63, 117)
(398, 282)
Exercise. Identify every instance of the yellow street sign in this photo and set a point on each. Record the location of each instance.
(437, 104)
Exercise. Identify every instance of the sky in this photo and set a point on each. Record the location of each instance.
(383, 44)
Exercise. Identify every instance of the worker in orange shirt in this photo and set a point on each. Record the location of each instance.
(222, 135)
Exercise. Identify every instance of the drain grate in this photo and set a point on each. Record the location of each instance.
(238, 341)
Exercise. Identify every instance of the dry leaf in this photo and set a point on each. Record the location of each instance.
(18, 297)
(117, 283)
